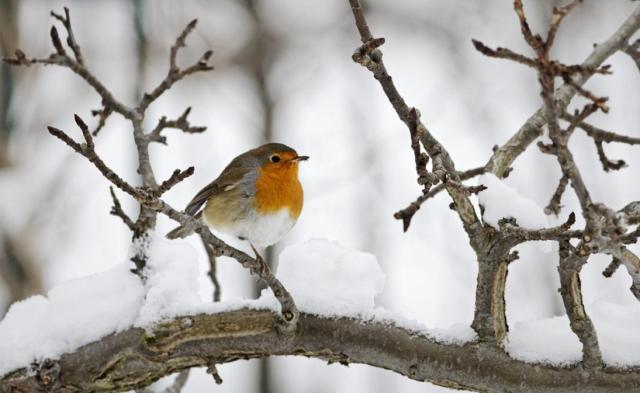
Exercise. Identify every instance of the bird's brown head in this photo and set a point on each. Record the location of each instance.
(277, 182)
(278, 159)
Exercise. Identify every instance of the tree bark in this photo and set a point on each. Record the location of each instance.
(132, 358)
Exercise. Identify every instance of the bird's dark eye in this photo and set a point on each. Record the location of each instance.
(275, 158)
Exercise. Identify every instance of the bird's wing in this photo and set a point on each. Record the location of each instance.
(229, 179)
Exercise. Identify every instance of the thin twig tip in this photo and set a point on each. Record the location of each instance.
(79, 121)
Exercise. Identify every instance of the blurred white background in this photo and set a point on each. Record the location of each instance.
(284, 73)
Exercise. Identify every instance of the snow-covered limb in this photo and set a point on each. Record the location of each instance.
(132, 358)
(146, 331)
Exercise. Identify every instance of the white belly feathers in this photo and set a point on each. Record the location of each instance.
(261, 230)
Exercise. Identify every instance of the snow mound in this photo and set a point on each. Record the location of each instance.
(172, 283)
(503, 201)
(71, 315)
(552, 341)
(328, 279)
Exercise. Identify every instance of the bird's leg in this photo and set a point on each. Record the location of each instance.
(261, 262)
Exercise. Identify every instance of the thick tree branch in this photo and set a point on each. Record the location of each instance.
(571, 292)
(633, 51)
(133, 359)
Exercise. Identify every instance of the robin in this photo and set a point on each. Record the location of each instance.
(257, 197)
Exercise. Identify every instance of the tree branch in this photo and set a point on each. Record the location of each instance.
(133, 359)
(571, 292)
(369, 56)
(175, 73)
(181, 123)
(633, 51)
(117, 211)
(501, 160)
(632, 263)
(520, 235)
(408, 212)
(554, 204)
(213, 268)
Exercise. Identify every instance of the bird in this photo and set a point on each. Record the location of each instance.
(257, 197)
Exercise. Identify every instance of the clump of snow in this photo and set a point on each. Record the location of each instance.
(71, 315)
(503, 201)
(552, 341)
(328, 279)
(547, 340)
(172, 282)
(457, 334)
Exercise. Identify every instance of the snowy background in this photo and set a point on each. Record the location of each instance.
(54, 206)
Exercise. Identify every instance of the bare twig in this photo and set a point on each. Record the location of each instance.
(176, 177)
(87, 150)
(503, 53)
(554, 204)
(213, 371)
(408, 212)
(600, 134)
(213, 264)
(421, 159)
(175, 73)
(607, 164)
(181, 123)
(103, 114)
(558, 15)
(612, 267)
(117, 211)
(71, 40)
(520, 235)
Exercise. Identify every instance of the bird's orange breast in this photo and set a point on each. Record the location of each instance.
(278, 187)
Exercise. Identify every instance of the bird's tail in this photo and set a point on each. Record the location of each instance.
(179, 233)
(182, 232)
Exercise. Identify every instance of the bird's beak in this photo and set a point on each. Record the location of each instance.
(300, 158)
